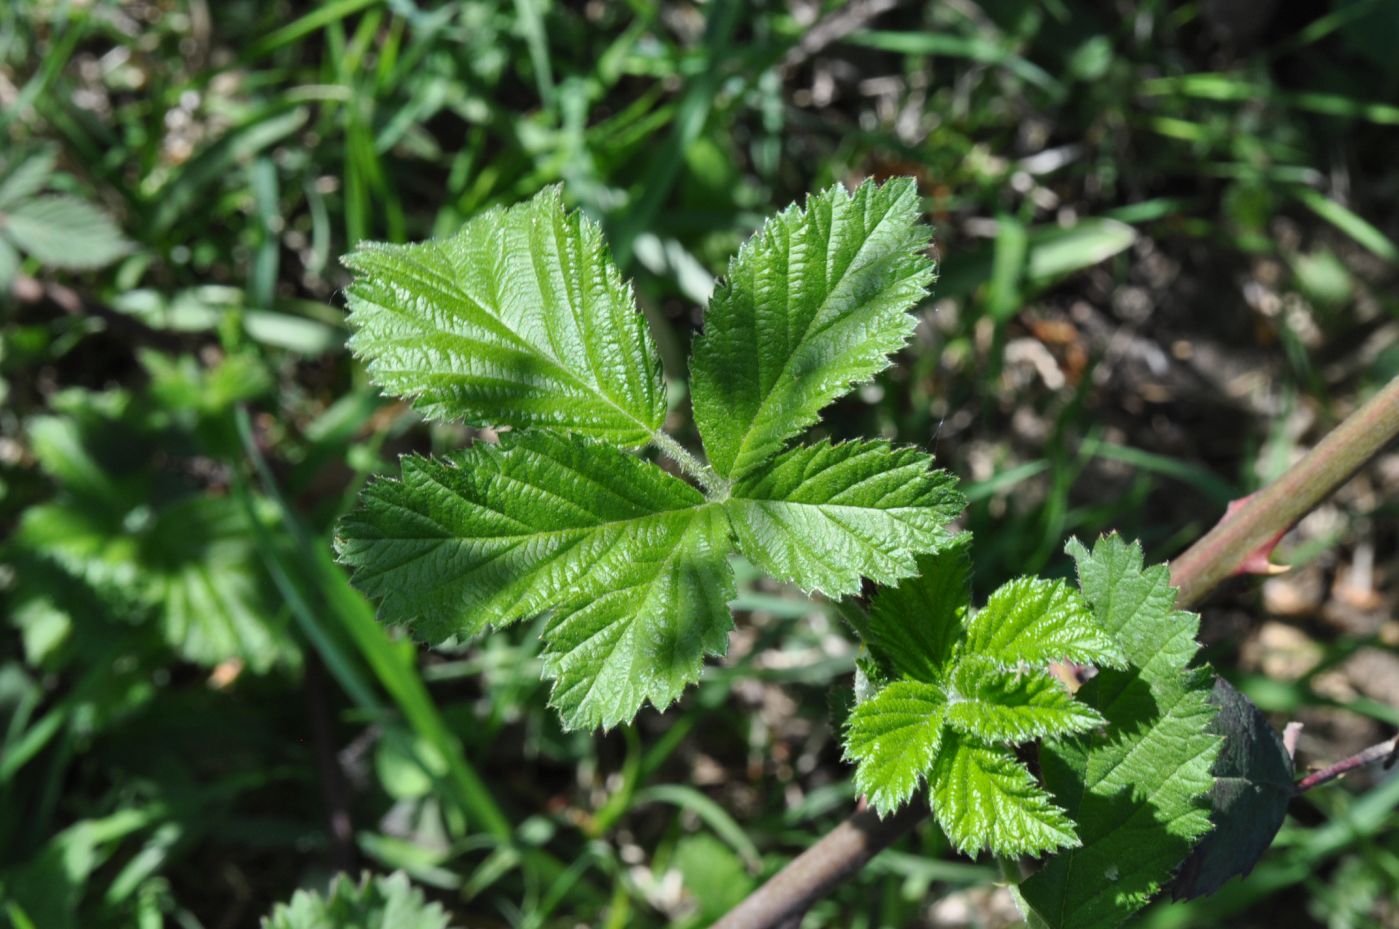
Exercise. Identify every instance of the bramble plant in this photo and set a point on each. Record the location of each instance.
(522, 322)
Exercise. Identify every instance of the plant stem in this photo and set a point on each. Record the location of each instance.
(713, 484)
(1276, 507)
(844, 850)
(1387, 752)
(841, 852)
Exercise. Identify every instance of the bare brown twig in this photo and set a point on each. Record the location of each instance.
(1387, 752)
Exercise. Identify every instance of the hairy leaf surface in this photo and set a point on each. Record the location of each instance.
(983, 797)
(642, 635)
(947, 713)
(1034, 622)
(823, 516)
(894, 737)
(814, 303)
(520, 319)
(997, 706)
(500, 532)
(914, 630)
(1137, 787)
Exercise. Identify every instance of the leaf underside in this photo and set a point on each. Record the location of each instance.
(1136, 789)
(520, 319)
(812, 305)
(1252, 789)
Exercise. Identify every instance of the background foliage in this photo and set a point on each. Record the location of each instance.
(1167, 240)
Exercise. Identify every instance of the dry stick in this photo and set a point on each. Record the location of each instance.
(1387, 752)
(841, 852)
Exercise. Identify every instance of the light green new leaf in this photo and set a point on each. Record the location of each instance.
(984, 798)
(823, 516)
(995, 706)
(64, 232)
(375, 903)
(1137, 788)
(814, 303)
(894, 737)
(980, 699)
(915, 629)
(520, 319)
(641, 632)
(1033, 622)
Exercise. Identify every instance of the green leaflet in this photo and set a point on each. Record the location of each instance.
(1005, 707)
(375, 903)
(500, 532)
(915, 629)
(1036, 621)
(631, 558)
(1136, 788)
(520, 319)
(57, 230)
(641, 634)
(959, 698)
(895, 736)
(824, 516)
(812, 304)
(26, 176)
(984, 797)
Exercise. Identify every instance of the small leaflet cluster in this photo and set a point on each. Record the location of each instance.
(521, 320)
(954, 690)
(374, 903)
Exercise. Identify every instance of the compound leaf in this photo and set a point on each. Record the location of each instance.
(520, 319)
(823, 516)
(983, 797)
(1032, 621)
(893, 738)
(643, 635)
(1137, 787)
(995, 705)
(375, 903)
(813, 303)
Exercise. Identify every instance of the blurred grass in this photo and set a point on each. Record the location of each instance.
(1167, 244)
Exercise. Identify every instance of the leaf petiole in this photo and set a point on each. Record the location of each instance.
(715, 487)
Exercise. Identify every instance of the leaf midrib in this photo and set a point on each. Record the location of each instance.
(806, 335)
